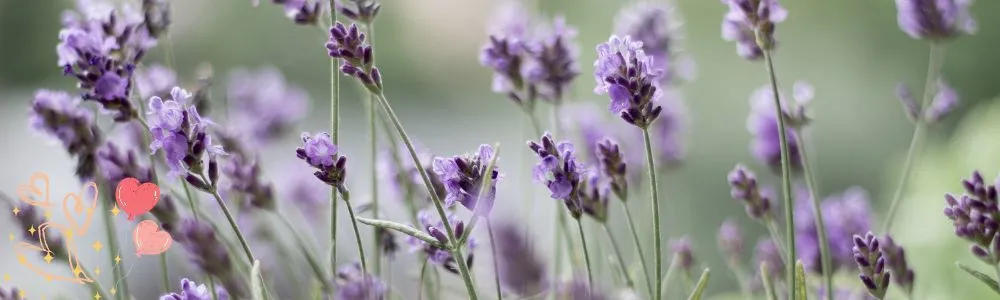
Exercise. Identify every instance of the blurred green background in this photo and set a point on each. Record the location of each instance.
(851, 50)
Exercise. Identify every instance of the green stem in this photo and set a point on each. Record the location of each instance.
(657, 243)
(165, 271)
(496, 264)
(190, 198)
(463, 268)
(741, 278)
(586, 254)
(772, 229)
(824, 244)
(211, 286)
(95, 287)
(700, 287)
(110, 231)
(423, 273)
(232, 223)
(665, 282)
(357, 233)
(404, 229)
(305, 248)
(638, 247)
(618, 253)
(786, 178)
(373, 143)
(934, 64)
(335, 136)
(768, 283)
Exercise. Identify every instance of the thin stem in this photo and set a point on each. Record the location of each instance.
(420, 287)
(665, 282)
(335, 136)
(305, 248)
(786, 176)
(404, 229)
(165, 271)
(496, 264)
(657, 243)
(95, 286)
(463, 268)
(824, 244)
(211, 285)
(638, 247)
(768, 283)
(741, 278)
(373, 143)
(190, 198)
(772, 229)
(357, 234)
(111, 232)
(934, 64)
(232, 223)
(586, 254)
(618, 254)
(701, 285)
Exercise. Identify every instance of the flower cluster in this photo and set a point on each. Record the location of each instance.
(935, 19)
(756, 199)
(871, 264)
(975, 217)
(463, 177)
(355, 284)
(521, 270)
(263, 105)
(750, 23)
(244, 176)
(943, 103)
(628, 76)
(203, 246)
(303, 12)
(895, 260)
(60, 116)
(348, 44)
(320, 153)
(762, 124)
(436, 228)
(655, 25)
(365, 10)
(844, 215)
(191, 290)
(552, 60)
(612, 165)
(560, 172)
(181, 132)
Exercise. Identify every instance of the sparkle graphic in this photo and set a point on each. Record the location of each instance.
(97, 246)
(32, 230)
(113, 291)
(68, 234)
(22, 294)
(97, 271)
(77, 271)
(48, 258)
(17, 211)
(21, 259)
(115, 211)
(97, 296)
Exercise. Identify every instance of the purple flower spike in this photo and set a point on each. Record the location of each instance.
(747, 17)
(974, 216)
(731, 241)
(895, 260)
(756, 199)
(181, 132)
(944, 102)
(364, 11)
(302, 12)
(553, 60)
(60, 116)
(767, 251)
(871, 264)
(655, 25)
(202, 244)
(681, 248)
(844, 214)
(355, 284)
(348, 44)
(762, 124)
(935, 19)
(559, 170)
(627, 75)
(505, 53)
(521, 270)
(191, 290)
(612, 165)
(435, 253)
(264, 105)
(244, 176)
(463, 177)
(319, 152)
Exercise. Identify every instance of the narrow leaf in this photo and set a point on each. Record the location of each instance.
(700, 287)
(800, 281)
(765, 275)
(256, 282)
(982, 277)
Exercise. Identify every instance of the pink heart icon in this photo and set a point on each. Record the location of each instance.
(136, 199)
(149, 239)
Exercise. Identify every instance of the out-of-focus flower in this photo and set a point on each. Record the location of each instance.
(613, 166)
(60, 116)
(731, 241)
(553, 59)
(744, 187)
(844, 215)
(593, 193)
(935, 19)
(895, 260)
(463, 177)
(354, 284)
(191, 290)
(762, 124)
(521, 270)
(244, 176)
(944, 102)
(155, 80)
(579, 289)
(751, 23)
(627, 75)
(263, 105)
(302, 12)
(767, 251)
(203, 246)
(655, 25)
(402, 180)
(681, 248)
(871, 264)
(364, 11)
(12, 294)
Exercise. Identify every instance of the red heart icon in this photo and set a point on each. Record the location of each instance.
(136, 199)
(149, 239)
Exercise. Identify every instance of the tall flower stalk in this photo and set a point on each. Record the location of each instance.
(786, 180)
(335, 135)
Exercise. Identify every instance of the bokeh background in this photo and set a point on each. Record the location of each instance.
(852, 52)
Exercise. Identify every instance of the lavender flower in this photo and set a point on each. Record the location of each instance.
(463, 176)
(552, 60)
(910, 106)
(191, 290)
(156, 14)
(264, 105)
(30, 217)
(974, 216)
(310, 196)
(627, 75)
(843, 214)
(751, 23)
(944, 102)
(320, 153)
(731, 241)
(521, 270)
(594, 196)
(767, 251)
(895, 260)
(868, 256)
(180, 131)
(302, 12)
(155, 80)
(655, 25)
(386, 240)
(203, 246)
(559, 171)
(12, 294)
(355, 284)
(60, 116)
(613, 166)
(505, 52)
(348, 44)
(402, 179)
(681, 248)
(935, 20)
(245, 177)
(579, 289)
(435, 253)
(762, 124)
(756, 199)
(365, 10)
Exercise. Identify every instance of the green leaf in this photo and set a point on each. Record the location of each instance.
(765, 275)
(256, 282)
(800, 281)
(979, 275)
(700, 288)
